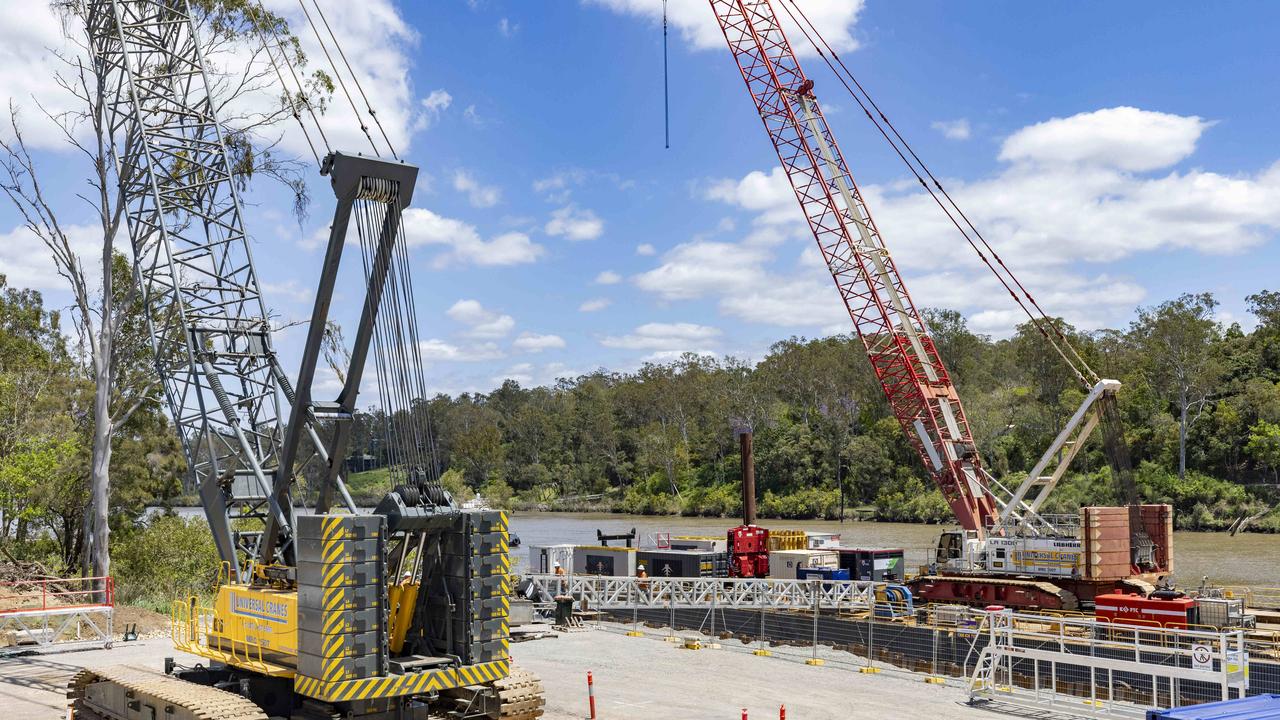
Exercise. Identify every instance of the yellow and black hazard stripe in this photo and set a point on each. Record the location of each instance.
(396, 685)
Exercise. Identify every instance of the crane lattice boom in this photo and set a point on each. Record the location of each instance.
(903, 356)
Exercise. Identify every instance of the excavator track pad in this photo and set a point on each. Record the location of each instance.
(128, 693)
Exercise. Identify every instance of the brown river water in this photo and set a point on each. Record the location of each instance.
(1248, 559)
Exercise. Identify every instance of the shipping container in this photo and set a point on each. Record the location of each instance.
(784, 564)
(873, 563)
(683, 563)
(602, 560)
(543, 558)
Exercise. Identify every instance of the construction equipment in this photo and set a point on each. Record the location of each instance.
(1007, 545)
(317, 614)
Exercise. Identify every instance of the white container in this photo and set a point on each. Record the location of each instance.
(822, 540)
(698, 542)
(543, 558)
(785, 564)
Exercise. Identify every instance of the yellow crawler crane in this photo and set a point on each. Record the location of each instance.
(327, 611)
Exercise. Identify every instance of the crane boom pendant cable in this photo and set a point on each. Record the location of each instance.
(666, 97)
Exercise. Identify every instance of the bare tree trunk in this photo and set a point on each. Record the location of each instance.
(100, 474)
(1182, 437)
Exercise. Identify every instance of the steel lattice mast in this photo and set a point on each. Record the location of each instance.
(209, 328)
(902, 353)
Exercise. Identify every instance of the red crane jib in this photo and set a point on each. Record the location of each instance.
(903, 356)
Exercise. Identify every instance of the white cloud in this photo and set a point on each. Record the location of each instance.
(507, 29)
(953, 129)
(434, 105)
(274, 291)
(463, 242)
(1124, 138)
(533, 342)
(574, 224)
(441, 351)
(608, 277)
(481, 322)
(28, 31)
(698, 26)
(769, 195)
(696, 269)
(479, 195)
(1075, 196)
(645, 250)
(25, 261)
(670, 337)
(530, 375)
(595, 304)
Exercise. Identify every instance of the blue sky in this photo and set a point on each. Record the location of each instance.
(1116, 154)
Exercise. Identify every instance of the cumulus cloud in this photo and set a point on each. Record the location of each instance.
(574, 224)
(479, 195)
(480, 321)
(25, 261)
(594, 305)
(608, 277)
(667, 337)
(953, 129)
(645, 250)
(698, 25)
(533, 342)
(1074, 196)
(441, 351)
(1124, 138)
(433, 106)
(462, 242)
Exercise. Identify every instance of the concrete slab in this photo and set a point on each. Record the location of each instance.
(635, 679)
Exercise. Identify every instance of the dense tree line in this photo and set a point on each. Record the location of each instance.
(1200, 404)
(661, 439)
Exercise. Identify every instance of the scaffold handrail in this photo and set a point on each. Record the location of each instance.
(57, 595)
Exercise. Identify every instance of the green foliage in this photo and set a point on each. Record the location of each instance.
(909, 500)
(167, 559)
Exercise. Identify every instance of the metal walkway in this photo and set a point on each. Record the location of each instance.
(603, 592)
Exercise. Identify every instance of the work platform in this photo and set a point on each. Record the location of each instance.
(56, 614)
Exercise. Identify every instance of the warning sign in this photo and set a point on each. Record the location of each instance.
(1201, 657)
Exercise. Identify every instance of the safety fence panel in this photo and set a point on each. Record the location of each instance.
(56, 614)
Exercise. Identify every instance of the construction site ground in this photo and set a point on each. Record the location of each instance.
(635, 679)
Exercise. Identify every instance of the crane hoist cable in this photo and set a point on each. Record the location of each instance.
(1044, 324)
(262, 21)
(359, 88)
(338, 76)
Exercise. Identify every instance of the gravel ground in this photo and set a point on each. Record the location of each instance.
(635, 679)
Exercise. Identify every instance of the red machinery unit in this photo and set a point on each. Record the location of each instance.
(748, 552)
(1134, 609)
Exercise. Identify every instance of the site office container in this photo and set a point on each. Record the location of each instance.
(1133, 609)
(543, 558)
(873, 563)
(785, 564)
(683, 563)
(602, 560)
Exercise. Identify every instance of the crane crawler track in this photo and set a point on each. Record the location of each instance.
(518, 696)
(104, 694)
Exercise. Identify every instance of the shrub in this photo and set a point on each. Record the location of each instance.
(168, 559)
